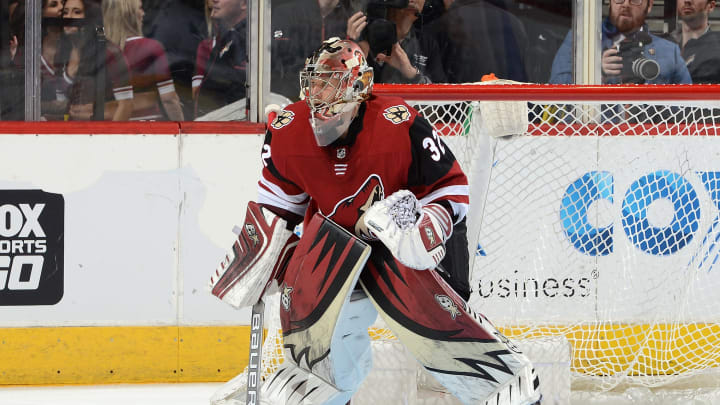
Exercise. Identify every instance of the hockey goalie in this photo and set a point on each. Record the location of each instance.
(383, 203)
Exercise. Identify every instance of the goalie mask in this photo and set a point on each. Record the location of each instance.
(335, 80)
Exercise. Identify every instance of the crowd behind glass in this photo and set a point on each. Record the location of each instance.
(188, 59)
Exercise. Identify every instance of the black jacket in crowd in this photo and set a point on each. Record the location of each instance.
(702, 57)
(226, 75)
(477, 38)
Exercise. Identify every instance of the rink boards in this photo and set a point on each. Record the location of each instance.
(129, 220)
(116, 229)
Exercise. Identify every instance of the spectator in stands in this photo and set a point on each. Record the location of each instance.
(208, 20)
(154, 96)
(54, 84)
(625, 30)
(12, 4)
(203, 50)
(179, 25)
(201, 59)
(699, 45)
(397, 51)
(298, 28)
(84, 64)
(13, 35)
(477, 38)
(225, 78)
(11, 68)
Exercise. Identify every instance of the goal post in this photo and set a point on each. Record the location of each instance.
(595, 227)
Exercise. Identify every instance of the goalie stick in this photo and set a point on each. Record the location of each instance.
(256, 324)
(255, 356)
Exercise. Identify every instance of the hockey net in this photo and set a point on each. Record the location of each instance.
(594, 219)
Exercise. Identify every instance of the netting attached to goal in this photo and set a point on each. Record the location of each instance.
(598, 221)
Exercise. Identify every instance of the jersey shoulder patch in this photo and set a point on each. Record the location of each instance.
(397, 114)
(283, 119)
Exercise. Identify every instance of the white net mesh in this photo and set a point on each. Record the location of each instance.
(597, 223)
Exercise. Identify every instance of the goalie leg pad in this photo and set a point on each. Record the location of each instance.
(462, 350)
(350, 354)
(233, 392)
(350, 350)
(258, 256)
(291, 385)
(317, 286)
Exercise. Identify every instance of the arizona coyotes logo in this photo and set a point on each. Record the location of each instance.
(252, 233)
(397, 114)
(448, 305)
(355, 206)
(285, 299)
(283, 119)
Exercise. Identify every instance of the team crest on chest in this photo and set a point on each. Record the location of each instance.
(283, 118)
(397, 114)
(353, 208)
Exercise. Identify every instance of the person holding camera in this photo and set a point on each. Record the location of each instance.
(699, 45)
(397, 51)
(631, 54)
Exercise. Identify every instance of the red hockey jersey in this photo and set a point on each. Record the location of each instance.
(149, 73)
(389, 147)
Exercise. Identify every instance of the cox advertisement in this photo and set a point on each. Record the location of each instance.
(585, 229)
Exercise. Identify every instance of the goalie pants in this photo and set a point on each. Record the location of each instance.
(350, 346)
(455, 265)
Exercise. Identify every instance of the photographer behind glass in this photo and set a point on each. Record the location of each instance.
(397, 51)
(631, 54)
(626, 42)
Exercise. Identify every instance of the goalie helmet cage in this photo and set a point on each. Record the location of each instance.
(594, 219)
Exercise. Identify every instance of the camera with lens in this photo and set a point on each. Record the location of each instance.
(636, 68)
(380, 32)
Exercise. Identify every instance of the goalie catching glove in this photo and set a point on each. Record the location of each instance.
(259, 255)
(414, 234)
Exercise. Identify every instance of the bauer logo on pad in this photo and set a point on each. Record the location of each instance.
(32, 236)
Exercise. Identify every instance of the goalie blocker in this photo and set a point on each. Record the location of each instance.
(260, 254)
